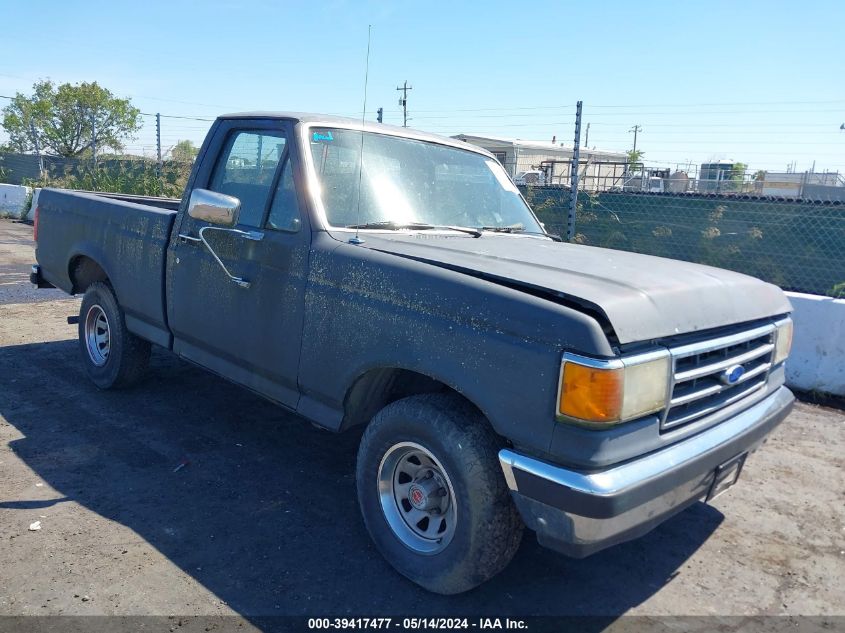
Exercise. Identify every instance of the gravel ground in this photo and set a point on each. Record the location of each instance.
(262, 519)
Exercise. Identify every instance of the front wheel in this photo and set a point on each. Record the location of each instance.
(433, 495)
(113, 357)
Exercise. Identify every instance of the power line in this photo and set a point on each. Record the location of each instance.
(742, 125)
(654, 105)
(696, 105)
(735, 135)
(753, 153)
(554, 107)
(175, 116)
(734, 142)
(426, 117)
(699, 112)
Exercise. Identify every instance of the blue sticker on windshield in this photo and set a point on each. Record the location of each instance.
(320, 136)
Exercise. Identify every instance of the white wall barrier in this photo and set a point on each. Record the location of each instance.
(14, 200)
(817, 362)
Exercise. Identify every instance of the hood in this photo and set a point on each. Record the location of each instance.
(640, 296)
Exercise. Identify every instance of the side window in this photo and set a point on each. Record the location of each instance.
(284, 212)
(245, 170)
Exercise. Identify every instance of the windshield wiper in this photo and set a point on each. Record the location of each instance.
(462, 229)
(518, 228)
(391, 225)
(512, 228)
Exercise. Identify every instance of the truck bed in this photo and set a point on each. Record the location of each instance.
(127, 236)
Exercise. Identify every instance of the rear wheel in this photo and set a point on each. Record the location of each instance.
(433, 495)
(113, 357)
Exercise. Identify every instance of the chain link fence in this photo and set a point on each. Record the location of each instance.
(157, 165)
(617, 176)
(797, 244)
(136, 175)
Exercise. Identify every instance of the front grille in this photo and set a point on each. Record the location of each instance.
(698, 387)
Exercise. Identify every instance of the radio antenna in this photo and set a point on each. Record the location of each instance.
(357, 239)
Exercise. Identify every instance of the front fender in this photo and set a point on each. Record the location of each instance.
(497, 346)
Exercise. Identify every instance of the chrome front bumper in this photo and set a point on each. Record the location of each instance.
(579, 513)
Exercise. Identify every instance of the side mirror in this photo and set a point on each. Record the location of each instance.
(213, 207)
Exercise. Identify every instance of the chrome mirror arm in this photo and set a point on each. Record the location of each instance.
(255, 236)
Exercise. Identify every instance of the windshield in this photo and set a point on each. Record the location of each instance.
(407, 182)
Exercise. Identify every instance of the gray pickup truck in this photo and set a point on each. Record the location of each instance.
(372, 277)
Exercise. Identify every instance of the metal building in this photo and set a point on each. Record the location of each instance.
(520, 156)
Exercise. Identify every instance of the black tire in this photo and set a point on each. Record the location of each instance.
(127, 356)
(488, 528)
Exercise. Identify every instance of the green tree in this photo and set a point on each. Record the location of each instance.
(738, 171)
(60, 118)
(184, 151)
(635, 155)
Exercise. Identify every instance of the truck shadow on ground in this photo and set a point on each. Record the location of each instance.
(264, 511)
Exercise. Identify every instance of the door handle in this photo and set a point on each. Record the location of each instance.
(185, 239)
(255, 236)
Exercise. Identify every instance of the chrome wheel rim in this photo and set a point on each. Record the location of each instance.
(97, 335)
(417, 498)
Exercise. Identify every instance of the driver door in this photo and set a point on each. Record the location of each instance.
(250, 335)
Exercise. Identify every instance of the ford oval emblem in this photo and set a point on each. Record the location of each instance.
(732, 374)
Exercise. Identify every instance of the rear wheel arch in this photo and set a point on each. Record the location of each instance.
(84, 271)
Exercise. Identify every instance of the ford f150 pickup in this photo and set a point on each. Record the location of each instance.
(363, 275)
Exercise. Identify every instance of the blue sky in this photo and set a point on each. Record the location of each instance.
(759, 82)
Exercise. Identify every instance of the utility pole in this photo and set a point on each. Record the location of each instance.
(573, 176)
(37, 150)
(94, 140)
(403, 101)
(587, 137)
(635, 129)
(158, 144)
(380, 117)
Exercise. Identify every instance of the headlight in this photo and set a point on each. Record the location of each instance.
(783, 340)
(605, 392)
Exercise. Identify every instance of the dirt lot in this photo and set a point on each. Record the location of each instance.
(262, 519)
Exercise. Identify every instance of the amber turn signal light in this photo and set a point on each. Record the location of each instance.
(600, 392)
(592, 394)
